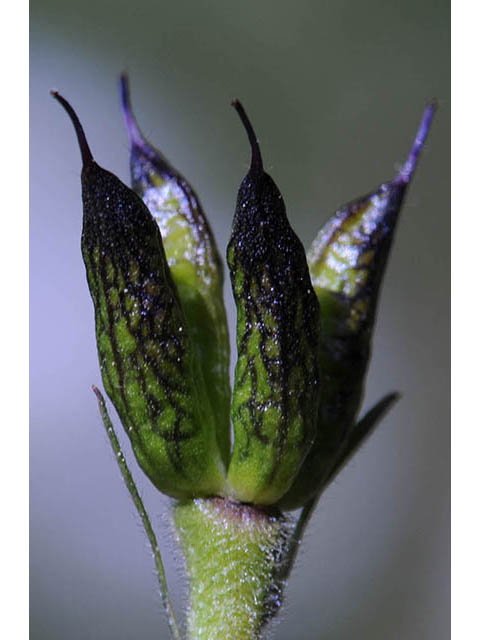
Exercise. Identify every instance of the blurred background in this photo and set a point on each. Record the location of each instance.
(335, 91)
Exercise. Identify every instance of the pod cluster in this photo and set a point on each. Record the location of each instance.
(304, 324)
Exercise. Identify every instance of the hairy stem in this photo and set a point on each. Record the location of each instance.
(232, 553)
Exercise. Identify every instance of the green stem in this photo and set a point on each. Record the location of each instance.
(232, 553)
(137, 501)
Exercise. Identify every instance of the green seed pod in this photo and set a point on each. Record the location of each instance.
(347, 262)
(149, 367)
(193, 259)
(276, 390)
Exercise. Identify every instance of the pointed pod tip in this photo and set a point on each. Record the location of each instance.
(87, 157)
(123, 83)
(392, 397)
(256, 162)
(124, 86)
(134, 133)
(408, 169)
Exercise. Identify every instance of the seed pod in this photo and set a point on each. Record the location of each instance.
(276, 390)
(148, 365)
(193, 259)
(347, 262)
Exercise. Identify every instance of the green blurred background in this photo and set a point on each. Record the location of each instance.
(335, 91)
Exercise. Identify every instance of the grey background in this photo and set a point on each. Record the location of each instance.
(335, 91)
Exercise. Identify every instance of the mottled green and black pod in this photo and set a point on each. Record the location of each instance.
(149, 365)
(194, 262)
(347, 263)
(277, 379)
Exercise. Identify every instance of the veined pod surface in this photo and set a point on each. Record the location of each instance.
(276, 388)
(347, 262)
(149, 367)
(194, 262)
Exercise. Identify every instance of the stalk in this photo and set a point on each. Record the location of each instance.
(232, 553)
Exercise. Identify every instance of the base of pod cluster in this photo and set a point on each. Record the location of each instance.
(234, 554)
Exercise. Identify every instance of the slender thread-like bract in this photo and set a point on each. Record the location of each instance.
(363, 430)
(139, 506)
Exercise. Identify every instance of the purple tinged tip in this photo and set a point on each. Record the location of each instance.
(87, 157)
(138, 141)
(100, 398)
(256, 162)
(134, 133)
(406, 172)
